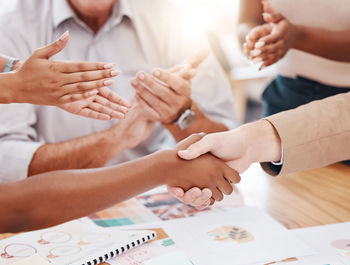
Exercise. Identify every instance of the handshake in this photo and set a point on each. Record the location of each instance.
(208, 165)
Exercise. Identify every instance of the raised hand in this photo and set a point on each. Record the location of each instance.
(168, 92)
(44, 82)
(270, 42)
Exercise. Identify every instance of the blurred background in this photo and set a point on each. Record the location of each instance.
(219, 19)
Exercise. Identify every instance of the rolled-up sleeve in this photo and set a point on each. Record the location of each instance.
(18, 141)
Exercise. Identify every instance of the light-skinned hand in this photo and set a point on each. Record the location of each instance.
(168, 92)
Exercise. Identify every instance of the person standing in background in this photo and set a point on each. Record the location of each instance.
(296, 34)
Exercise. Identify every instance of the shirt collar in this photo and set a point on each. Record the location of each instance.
(62, 11)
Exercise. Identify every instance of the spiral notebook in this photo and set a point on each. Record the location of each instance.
(72, 243)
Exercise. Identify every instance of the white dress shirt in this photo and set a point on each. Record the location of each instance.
(139, 35)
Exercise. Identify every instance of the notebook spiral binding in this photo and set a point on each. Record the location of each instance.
(120, 250)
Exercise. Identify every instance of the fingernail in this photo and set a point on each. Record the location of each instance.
(108, 82)
(156, 73)
(115, 72)
(257, 60)
(64, 35)
(255, 53)
(194, 196)
(141, 76)
(259, 44)
(108, 65)
(134, 82)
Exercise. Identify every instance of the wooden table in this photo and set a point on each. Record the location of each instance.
(309, 198)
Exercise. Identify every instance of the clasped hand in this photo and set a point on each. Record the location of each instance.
(270, 42)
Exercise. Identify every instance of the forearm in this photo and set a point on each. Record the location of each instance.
(250, 16)
(52, 198)
(333, 45)
(202, 123)
(86, 152)
(8, 86)
(262, 141)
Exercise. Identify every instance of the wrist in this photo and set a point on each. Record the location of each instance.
(9, 87)
(263, 142)
(300, 33)
(167, 161)
(115, 140)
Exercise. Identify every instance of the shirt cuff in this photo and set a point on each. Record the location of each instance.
(15, 158)
(280, 163)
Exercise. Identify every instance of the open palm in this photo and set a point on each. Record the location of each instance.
(103, 106)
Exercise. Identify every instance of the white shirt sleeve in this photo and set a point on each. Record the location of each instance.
(18, 141)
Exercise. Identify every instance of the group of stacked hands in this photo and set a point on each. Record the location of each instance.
(199, 170)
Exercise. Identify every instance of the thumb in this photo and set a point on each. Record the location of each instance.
(196, 60)
(53, 48)
(197, 149)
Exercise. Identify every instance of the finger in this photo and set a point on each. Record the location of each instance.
(191, 195)
(176, 192)
(74, 67)
(197, 59)
(150, 113)
(188, 74)
(184, 144)
(231, 175)
(92, 114)
(203, 199)
(53, 48)
(83, 86)
(178, 84)
(157, 89)
(203, 206)
(105, 102)
(258, 32)
(275, 36)
(197, 149)
(225, 186)
(153, 101)
(113, 97)
(272, 17)
(212, 201)
(77, 96)
(217, 194)
(100, 108)
(90, 76)
(271, 48)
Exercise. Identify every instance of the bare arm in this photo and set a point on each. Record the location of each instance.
(334, 45)
(56, 197)
(87, 152)
(250, 17)
(97, 149)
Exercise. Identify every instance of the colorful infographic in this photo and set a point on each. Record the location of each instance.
(127, 213)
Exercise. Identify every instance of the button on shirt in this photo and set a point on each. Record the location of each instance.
(139, 35)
